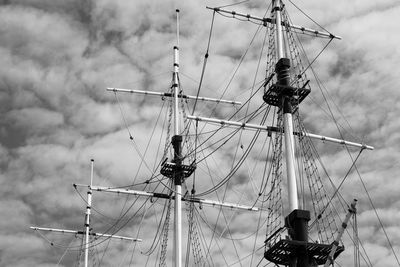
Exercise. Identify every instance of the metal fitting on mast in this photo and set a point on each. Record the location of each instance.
(282, 69)
(178, 171)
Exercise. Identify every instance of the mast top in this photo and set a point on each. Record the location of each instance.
(177, 27)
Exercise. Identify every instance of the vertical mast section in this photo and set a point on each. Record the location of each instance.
(87, 217)
(176, 143)
(296, 251)
(282, 71)
(297, 220)
(175, 83)
(176, 170)
(278, 28)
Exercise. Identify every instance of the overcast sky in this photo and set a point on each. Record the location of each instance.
(58, 56)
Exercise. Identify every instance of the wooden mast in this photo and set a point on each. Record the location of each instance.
(177, 145)
(87, 215)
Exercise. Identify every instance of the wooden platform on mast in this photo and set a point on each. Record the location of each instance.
(273, 95)
(284, 250)
(169, 170)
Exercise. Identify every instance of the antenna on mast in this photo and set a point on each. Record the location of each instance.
(177, 27)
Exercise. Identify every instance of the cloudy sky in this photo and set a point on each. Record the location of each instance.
(58, 56)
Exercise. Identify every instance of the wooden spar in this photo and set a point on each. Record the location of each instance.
(206, 202)
(75, 232)
(276, 129)
(272, 21)
(200, 98)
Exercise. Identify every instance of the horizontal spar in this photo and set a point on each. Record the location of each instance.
(276, 129)
(334, 140)
(221, 204)
(232, 123)
(171, 95)
(166, 196)
(64, 231)
(272, 21)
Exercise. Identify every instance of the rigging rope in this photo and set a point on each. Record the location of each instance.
(337, 188)
(65, 252)
(319, 83)
(164, 233)
(319, 196)
(234, 4)
(275, 207)
(193, 237)
(236, 167)
(204, 63)
(240, 62)
(310, 17)
(93, 243)
(377, 216)
(130, 135)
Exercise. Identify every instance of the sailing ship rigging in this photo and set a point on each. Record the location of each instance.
(245, 172)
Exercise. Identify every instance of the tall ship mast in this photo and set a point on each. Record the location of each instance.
(234, 178)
